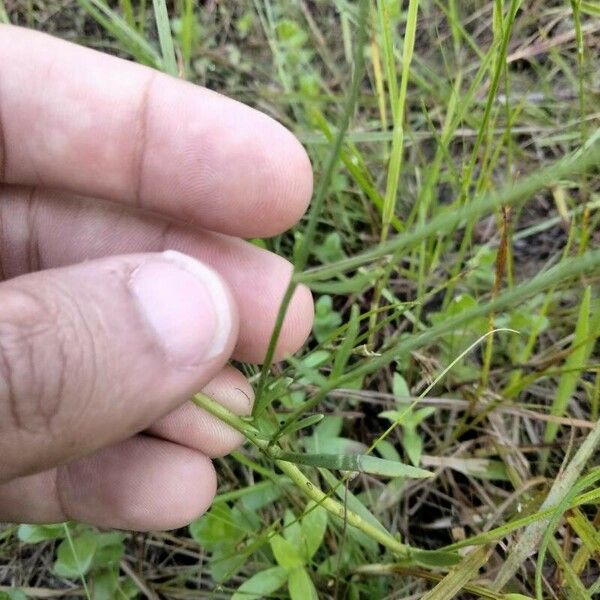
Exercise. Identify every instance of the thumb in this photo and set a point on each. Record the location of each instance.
(93, 353)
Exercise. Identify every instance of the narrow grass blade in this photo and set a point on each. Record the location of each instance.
(459, 576)
(345, 349)
(480, 468)
(574, 366)
(362, 463)
(294, 426)
(395, 166)
(132, 41)
(446, 221)
(401, 570)
(317, 204)
(3, 14)
(576, 588)
(560, 489)
(548, 535)
(165, 37)
(588, 534)
(567, 269)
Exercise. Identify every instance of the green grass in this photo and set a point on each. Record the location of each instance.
(455, 148)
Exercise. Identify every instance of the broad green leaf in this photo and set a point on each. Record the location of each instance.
(362, 463)
(330, 249)
(15, 594)
(301, 587)
(397, 416)
(329, 427)
(261, 584)
(104, 584)
(386, 450)
(216, 527)
(285, 554)
(292, 531)
(257, 499)
(32, 534)
(226, 561)
(327, 320)
(110, 548)
(75, 561)
(413, 444)
(399, 386)
(314, 525)
(308, 367)
(421, 414)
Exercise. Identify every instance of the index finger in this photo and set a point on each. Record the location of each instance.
(76, 119)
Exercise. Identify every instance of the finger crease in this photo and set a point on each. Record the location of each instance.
(141, 134)
(60, 501)
(34, 257)
(2, 148)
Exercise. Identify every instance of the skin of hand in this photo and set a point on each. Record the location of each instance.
(126, 284)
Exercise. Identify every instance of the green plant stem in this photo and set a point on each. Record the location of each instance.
(377, 570)
(311, 227)
(307, 487)
(447, 220)
(72, 548)
(567, 269)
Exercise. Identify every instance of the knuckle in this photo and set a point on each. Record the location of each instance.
(40, 356)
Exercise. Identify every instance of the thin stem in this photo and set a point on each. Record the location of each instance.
(447, 220)
(73, 551)
(303, 253)
(307, 487)
(567, 269)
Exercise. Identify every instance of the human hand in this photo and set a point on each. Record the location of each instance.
(103, 337)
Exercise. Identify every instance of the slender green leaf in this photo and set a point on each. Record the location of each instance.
(165, 37)
(459, 576)
(261, 584)
(363, 463)
(574, 366)
(132, 41)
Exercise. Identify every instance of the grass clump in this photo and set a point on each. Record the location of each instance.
(438, 436)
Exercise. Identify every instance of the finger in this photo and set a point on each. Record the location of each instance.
(79, 120)
(92, 353)
(44, 230)
(141, 484)
(190, 426)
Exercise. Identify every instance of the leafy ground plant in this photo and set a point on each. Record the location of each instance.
(438, 436)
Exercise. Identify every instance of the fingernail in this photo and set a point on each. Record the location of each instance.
(185, 305)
